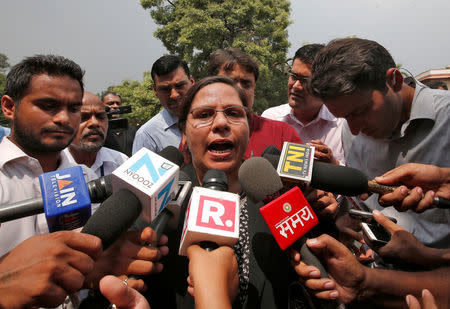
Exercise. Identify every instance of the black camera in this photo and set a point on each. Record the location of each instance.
(117, 124)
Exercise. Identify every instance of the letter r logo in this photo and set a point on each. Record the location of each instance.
(216, 213)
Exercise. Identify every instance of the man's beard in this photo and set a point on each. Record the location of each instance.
(92, 147)
(28, 141)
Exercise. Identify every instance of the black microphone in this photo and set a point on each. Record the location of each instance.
(340, 179)
(114, 216)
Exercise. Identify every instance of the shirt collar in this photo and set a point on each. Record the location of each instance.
(421, 107)
(324, 114)
(10, 152)
(169, 118)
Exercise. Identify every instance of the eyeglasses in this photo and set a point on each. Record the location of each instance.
(302, 79)
(204, 116)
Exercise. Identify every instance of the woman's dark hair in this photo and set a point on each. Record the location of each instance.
(187, 103)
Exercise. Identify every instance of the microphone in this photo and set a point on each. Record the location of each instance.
(66, 199)
(152, 177)
(212, 216)
(288, 216)
(114, 216)
(328, 177)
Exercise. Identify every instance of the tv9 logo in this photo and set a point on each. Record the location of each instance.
(217, 213)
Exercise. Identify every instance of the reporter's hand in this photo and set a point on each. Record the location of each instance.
(128, 256)
(322, 152)
(212, 273)
(427, 300)
(122, 295)
(347, 275)
(403, 246)
(323, 203)
(44, 269)
(421, 178)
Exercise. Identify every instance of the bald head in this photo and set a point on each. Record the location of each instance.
(94, 125)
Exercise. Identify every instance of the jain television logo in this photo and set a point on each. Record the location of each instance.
(63, 192)
(216, 213)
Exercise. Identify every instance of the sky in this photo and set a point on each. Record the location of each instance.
(112, 40)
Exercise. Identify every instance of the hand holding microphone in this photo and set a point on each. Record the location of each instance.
(213, 276)
(43, 269)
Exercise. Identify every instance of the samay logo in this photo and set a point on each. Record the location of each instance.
(216, 213)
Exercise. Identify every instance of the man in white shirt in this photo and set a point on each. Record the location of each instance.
(43, 97)
(87, 147)
(306, 113)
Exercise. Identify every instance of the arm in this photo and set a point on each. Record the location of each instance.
(43, 269)
(433, 180)
(130, 254)
(213, 277)
(351, 281)
(405, 248)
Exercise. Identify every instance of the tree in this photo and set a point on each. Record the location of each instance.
(194, 29)
(140, 96)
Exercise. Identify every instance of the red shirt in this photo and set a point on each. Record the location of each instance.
(265, 132)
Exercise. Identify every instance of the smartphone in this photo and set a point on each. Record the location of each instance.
(365, 216)
(376, 233)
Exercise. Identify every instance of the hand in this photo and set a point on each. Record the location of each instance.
(121, 294)
(128, 256)
(427, 299)
(323, 203)
(348, 229)
(43, 269)
(403, 246)
(431, 179)
(322, 152)
(212, 272)
(346, 273)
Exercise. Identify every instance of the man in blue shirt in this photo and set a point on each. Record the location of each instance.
(171, 81)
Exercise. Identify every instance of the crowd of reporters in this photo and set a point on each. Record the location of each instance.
(45, 101)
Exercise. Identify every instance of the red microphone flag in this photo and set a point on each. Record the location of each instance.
(289, 217)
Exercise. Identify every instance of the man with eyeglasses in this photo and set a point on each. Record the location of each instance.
(236, 64)
(171, 81)
(306, 113)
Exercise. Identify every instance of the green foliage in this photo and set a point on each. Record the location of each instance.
(3, 63)
(194, 29)
(140, 96)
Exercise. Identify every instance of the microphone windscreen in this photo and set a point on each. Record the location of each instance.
(114, 216)
(259, 178)
(272, 154)
(172, 154)
(216, 180)
(338, 179)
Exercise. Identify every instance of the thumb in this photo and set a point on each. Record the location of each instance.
(390, 226)
(327, 245)
(121, 295)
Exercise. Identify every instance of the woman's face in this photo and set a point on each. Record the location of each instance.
(221, 142)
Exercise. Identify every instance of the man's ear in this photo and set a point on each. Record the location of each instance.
(192, 80)
(8, 107)
(394, 79)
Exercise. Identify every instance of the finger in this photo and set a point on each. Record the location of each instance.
(52, 297)
(163, 240)
(428, 300)
(426, 202)
(118, 293)
(330, 295)
(396, 176)
(137, 284)
(411, 200)
(89, 244)
(390, 226)
(70, 279)
(190, 290)
(140, 267)
(320, 284)
(193, 250)
(393, 198)
(412, 302)
(307, 272)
